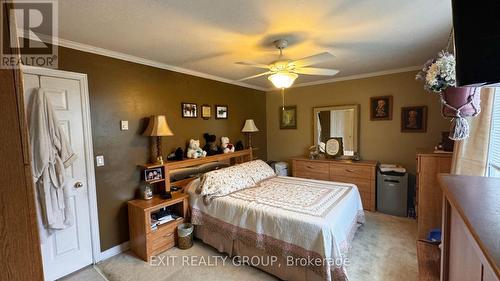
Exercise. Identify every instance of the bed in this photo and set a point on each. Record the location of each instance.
(293, 228)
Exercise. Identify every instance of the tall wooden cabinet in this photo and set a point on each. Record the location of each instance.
(360, 173)
(429, 195)
(471, 249)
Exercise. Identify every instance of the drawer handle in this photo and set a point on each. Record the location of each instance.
(168, 235)
(310, 167)
(349, 170)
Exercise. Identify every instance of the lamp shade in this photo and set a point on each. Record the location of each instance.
(283, 79)
(249, 127)
(158, 127)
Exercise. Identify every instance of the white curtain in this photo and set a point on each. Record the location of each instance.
(470, 156)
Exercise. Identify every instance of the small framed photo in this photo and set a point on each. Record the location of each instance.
(153, 174)
(288, 117)
(189, 110)
(221, 112)
(381, 108)
(414, 119)
(206, 111)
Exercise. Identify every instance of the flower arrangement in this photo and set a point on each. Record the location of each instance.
(439, 73)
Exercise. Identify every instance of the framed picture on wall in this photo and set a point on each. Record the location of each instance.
(381, 108)
(189, 110)
(221, 112)
(206, 111)
(288, 117)
(414, 119)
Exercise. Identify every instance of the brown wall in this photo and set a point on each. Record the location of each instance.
(121, 90)
(379, 140)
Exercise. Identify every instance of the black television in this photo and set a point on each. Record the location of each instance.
(477, 41)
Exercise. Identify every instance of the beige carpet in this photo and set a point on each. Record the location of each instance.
(383, 249)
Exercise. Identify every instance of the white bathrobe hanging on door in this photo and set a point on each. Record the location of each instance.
(51, 155)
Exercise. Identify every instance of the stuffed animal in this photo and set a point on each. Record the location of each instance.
(194, 151)
(211, 146)
(239, 146)
(226, 147)
(177, 155)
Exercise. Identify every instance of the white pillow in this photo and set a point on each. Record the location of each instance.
(258, 170)
(223, 182)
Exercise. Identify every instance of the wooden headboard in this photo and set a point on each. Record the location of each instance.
(232, 158)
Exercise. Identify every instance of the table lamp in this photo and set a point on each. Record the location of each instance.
(249, 128)
(158, 127)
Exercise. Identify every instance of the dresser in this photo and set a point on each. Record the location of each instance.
(360, 173)
(471, 225)
(429, 195)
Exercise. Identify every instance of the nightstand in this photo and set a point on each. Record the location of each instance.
(145, 241)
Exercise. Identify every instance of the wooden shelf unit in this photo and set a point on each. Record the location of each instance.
(236, 157)
(146, 242)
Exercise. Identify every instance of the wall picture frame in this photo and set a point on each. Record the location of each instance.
(288, 117)
(381, 108)
(221, 111)
(206, 111)
(414, 119)
(189, 110)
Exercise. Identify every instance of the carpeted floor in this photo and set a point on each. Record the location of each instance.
(383, 249)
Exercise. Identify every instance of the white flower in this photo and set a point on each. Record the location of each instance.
(439, 74)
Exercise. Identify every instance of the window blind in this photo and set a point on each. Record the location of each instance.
(494, 149)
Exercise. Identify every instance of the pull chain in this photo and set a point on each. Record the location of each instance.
(283, 98)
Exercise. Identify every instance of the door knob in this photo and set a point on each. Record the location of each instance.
(78, 184)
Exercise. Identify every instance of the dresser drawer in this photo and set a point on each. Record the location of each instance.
(161, 239)
(160, 245)
(362, 184)
(311, 170)
(351, 171)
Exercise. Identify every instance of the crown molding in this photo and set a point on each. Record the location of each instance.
(139, 60)
(122, 56)
(358, 76)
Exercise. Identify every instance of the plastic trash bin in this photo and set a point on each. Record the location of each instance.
(392, 190)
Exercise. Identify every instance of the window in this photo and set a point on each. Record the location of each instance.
(494, 149)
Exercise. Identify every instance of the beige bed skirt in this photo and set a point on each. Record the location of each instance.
(237, 248)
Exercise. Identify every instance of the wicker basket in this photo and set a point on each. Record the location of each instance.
(185, 233)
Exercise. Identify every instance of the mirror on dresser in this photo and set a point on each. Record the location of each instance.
(340, 121)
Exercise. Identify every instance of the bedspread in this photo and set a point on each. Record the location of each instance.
(289, 217)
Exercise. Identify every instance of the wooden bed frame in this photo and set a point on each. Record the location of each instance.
(233, 158)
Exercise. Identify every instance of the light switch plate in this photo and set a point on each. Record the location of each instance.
(99, 159)
(124, 125)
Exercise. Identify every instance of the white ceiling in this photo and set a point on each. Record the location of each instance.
(209, 36)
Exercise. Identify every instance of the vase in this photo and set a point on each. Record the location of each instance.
(466, 100)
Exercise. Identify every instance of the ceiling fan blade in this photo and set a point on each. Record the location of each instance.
(253, 64)
(316, 71)
(314, 59)
(255, 76)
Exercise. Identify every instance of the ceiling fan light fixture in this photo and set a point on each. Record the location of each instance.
(283, 79)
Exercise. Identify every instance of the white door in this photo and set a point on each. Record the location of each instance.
(69, 249)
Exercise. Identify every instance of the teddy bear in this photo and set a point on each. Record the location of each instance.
(210, 146)
(177, 155)
(226, 147)
(194, 151)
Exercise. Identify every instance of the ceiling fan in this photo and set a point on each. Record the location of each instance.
(282, 73)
